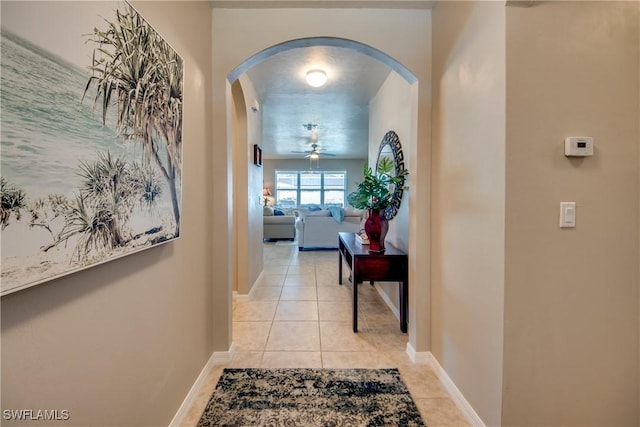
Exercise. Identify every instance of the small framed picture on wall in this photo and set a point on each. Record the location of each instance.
(257, 155)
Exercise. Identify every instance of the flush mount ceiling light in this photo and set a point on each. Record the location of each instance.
(316, 78)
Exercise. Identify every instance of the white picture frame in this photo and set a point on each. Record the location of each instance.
(91, 138)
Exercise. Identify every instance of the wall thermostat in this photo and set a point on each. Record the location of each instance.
(578, 146)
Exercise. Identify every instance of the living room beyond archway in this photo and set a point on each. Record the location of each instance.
(396, 79)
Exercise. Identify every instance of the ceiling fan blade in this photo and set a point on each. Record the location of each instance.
(327, 154)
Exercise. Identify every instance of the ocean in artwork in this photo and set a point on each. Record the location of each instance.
(42, 99)
(48, 132)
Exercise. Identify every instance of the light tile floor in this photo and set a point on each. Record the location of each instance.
(298, 316)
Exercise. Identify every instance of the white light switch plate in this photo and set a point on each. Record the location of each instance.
(567, 214)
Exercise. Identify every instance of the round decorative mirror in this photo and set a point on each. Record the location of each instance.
(390, 147)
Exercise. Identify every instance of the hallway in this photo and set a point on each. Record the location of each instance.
(298, 316)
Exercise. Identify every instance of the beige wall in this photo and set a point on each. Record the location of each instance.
(122, 343)
(247, 194)
(238, 34)
(255, 186)
(240, 235)
(571, 297)
(469, 199)
(394, 108)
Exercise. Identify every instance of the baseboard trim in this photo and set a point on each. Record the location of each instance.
(217, 358)
(458, 398)
(427, 358)
(240, 297)
(247, 297)
(419, 358)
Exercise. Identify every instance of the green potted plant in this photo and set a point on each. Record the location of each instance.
(375, 193)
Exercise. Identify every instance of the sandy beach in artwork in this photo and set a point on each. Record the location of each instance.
(20, 261)
(41, 266)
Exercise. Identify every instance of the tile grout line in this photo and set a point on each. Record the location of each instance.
(264, 349)
(315, 277)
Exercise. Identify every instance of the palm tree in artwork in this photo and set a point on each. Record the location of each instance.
(139, 73)
(12, 200)
(110, 189)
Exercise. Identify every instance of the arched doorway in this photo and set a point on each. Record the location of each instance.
(247, 122)
(400, 34)
(323, 41)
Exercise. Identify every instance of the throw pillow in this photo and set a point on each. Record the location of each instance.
(351, 211)
(267, 211)
(277, 211)
(313, 208)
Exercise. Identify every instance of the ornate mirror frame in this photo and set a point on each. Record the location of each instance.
(390, 145)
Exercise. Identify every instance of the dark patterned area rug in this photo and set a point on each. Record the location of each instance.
(311, 397)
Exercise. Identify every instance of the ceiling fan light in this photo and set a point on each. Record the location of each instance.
(316, 78)
(313, 156)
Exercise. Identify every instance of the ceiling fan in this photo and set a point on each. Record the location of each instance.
(314, 153)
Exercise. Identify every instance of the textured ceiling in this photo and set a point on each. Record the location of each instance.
(340, 108)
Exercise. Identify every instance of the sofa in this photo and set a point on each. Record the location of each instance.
(278, 226)
(319, 229)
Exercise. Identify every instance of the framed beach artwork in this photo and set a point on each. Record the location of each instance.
(91, 138)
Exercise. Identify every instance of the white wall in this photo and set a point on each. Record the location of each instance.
(469, 199)
(394, 108)
(571, 298)
(123, 342)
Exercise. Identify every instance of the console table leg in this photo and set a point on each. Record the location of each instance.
(355, 306)
(404, 305)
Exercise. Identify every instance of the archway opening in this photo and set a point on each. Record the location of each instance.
(402, 110)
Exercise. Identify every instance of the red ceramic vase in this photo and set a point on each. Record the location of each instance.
(376, 227)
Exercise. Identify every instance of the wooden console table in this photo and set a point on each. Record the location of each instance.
(391, 266)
